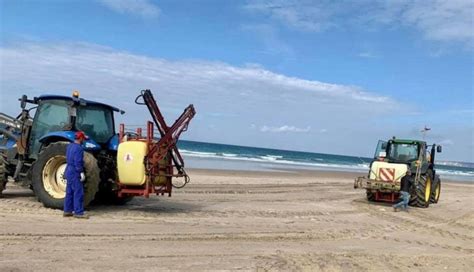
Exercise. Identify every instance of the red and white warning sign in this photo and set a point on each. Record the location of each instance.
(387, 174)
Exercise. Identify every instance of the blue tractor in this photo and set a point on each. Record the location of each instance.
(32, 149)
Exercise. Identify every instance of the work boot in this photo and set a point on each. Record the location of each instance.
(395, 209)
(81, 216)
(67, 214)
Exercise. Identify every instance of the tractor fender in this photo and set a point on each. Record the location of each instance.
(61, 136)
(113, 143)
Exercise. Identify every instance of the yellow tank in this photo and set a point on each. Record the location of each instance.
(130, 162)
(389, 172)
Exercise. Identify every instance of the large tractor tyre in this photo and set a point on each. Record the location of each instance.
(421, 194)
(108, 190)
(3, 174)
(370, 195)
(436, 192)
(49, 181)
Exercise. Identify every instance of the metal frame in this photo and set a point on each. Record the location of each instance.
(386, 197)
(158, 150)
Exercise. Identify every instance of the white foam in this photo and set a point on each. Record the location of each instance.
(271, 159)
(278, 160)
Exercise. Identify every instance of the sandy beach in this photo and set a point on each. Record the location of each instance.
(250, 221)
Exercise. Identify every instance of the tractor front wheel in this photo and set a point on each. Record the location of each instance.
(421, 193)
(370, 195)
(48, 176)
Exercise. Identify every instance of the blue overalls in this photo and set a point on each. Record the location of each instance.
(74, 188)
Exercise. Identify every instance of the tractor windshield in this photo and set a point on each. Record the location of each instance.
(402, 152)
(96, 121)
(51, 115)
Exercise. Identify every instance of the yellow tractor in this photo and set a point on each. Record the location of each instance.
(393, 160)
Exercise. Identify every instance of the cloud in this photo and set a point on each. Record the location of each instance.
(284, 128)
(446, 142)
(93, 65)
(141, 8)
(301, 15)
(437, 20)
(270, 38)
(367, 55)
(216, 89)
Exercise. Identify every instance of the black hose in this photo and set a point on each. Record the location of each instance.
(139, 103)
(186, 181)
(9, 134)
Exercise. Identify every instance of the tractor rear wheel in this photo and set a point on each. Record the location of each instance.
(3, 174)
(437, 190)
(49, 181)
(420, 195)
(370, 196)
(108, 190)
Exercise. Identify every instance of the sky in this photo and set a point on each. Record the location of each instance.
(319, 76)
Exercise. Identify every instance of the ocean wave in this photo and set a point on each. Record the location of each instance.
(455, 173)
(198, 153)
(317, 163)
(456, 164)
(272, 159)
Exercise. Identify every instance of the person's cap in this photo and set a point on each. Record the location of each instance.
(81, 135)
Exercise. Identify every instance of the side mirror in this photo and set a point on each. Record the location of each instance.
(23, 101)
(439, 149)
(384, 146)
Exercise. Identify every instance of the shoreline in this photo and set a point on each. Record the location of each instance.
(288, 172)
(267, 167)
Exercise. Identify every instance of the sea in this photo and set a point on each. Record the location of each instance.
(203, 155)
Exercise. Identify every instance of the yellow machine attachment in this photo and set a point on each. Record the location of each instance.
(131, 162)
(387, 172)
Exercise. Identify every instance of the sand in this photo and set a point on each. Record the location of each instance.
(251, 221)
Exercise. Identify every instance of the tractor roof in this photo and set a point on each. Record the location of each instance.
(405, 141)
(62, 97)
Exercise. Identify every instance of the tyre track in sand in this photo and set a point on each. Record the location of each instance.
(430, 225)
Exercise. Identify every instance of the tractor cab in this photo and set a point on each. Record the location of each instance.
(409, 152)
(57, 117)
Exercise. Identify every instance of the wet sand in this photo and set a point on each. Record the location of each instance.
(251, 221)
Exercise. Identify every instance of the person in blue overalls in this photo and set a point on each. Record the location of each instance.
(405, 185)
(74, 201)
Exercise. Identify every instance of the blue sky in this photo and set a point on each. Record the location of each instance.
(322, 76)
